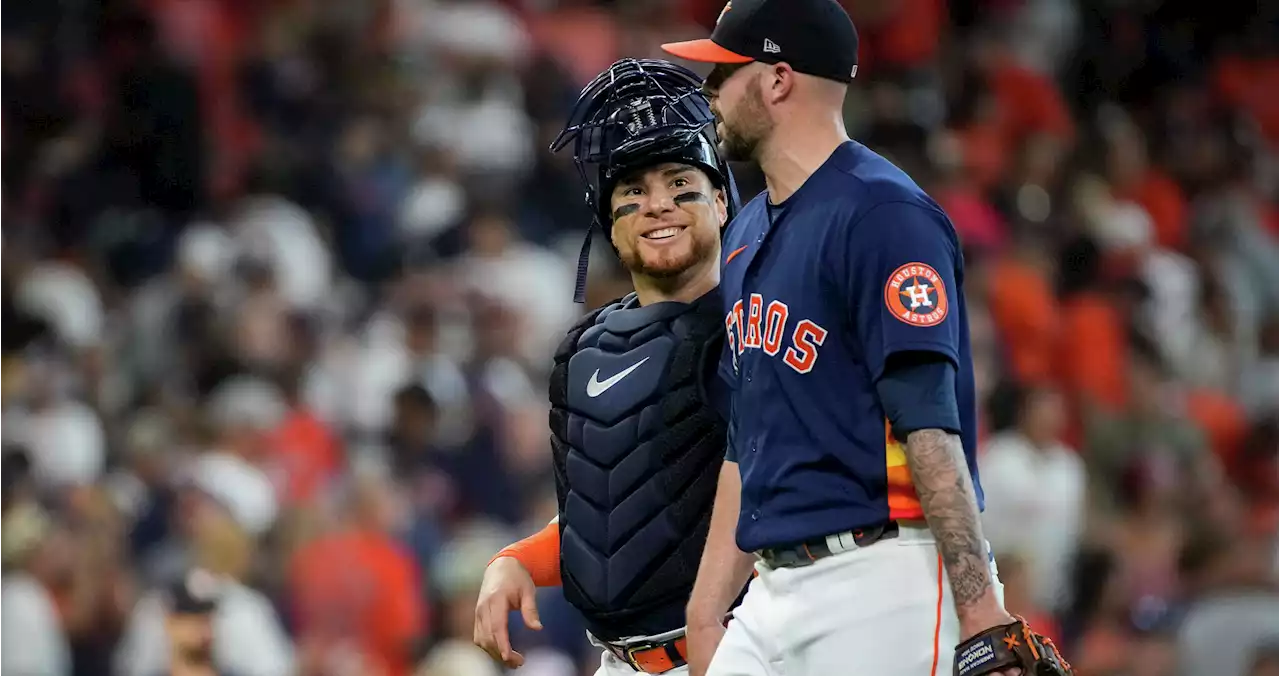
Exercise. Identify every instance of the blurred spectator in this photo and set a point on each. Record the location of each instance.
(305, 457)
(228, 507)
(242, 414)
(36, 566)
(1023, 305)
(61, 294)
(436, 202)
(1093, 347)
(520, 275)
(190, 608)
(1151, 433)
(1231, 616)
(1030, 477)
(64, 435)
(283, 243)
(459, 570)
(357, 595)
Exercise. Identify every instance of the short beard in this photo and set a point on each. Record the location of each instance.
(744, 136)
(635, 264)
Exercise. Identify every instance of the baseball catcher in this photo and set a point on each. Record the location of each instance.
(638, 419)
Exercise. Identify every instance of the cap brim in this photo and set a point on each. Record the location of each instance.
(704, 51)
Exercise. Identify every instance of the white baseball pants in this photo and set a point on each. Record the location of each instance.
(881, 610)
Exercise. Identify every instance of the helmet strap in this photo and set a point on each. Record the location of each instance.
(580, 283)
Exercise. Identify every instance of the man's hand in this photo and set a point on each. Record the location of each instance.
(506, 587)
(702, 639)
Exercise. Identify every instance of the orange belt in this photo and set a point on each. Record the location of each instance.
(653, 658)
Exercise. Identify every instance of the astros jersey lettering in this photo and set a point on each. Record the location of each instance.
(819, 291)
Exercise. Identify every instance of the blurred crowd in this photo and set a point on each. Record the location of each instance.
(282, 278)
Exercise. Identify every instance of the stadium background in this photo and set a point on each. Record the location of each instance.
(281, 279)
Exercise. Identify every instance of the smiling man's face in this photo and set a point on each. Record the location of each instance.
(666, 219)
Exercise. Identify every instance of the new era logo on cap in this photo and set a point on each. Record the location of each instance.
(819, 35)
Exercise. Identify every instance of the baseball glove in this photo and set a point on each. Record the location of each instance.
(1008, 646)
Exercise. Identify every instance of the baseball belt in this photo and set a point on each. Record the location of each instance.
(810, 551)
(656, 657)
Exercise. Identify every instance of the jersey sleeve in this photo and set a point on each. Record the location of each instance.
(901, 268)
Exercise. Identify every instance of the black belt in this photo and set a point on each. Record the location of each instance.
(806, 553)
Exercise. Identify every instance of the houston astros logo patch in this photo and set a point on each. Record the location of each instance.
(916, 295)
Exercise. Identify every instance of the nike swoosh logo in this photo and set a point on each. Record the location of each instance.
(596, 388)
(733, 254)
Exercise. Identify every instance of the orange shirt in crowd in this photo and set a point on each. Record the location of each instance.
(1251, 84)
(1163, 200)
(583, 40)
(986, 153)
(1025, 312)
(1030, 103)
(361, 590)
(908, 36)
(1092, 351)
(305, 456)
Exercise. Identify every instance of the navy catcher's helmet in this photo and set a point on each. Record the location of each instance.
(639, 113)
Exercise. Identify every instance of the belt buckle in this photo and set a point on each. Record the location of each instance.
(631, 654)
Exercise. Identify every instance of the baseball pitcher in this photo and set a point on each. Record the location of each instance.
(853, 411)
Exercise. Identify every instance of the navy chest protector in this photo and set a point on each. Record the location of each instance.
(638, 449)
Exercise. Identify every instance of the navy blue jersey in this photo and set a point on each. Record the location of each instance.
(819, 291)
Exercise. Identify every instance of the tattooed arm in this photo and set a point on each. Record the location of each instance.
(946, 493)
(918, 394)
(915, 351)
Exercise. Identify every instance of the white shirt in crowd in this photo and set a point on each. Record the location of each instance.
(32, 643)
(248, 637)
(1027, 485)
(66, 442)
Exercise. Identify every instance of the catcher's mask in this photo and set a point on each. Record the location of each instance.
(639, 113)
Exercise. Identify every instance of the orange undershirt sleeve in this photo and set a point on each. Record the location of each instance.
(539, 554)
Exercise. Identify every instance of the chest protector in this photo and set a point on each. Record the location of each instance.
(638, 447)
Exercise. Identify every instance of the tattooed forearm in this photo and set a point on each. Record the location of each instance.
(946, 494)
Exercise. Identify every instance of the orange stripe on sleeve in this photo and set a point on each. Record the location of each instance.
(904, 504)
(539, 554)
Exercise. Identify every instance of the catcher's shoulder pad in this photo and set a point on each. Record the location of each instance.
(1010, 645)
(569, 344)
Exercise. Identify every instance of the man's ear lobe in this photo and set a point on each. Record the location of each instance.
(783, 80)
(722, 207)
